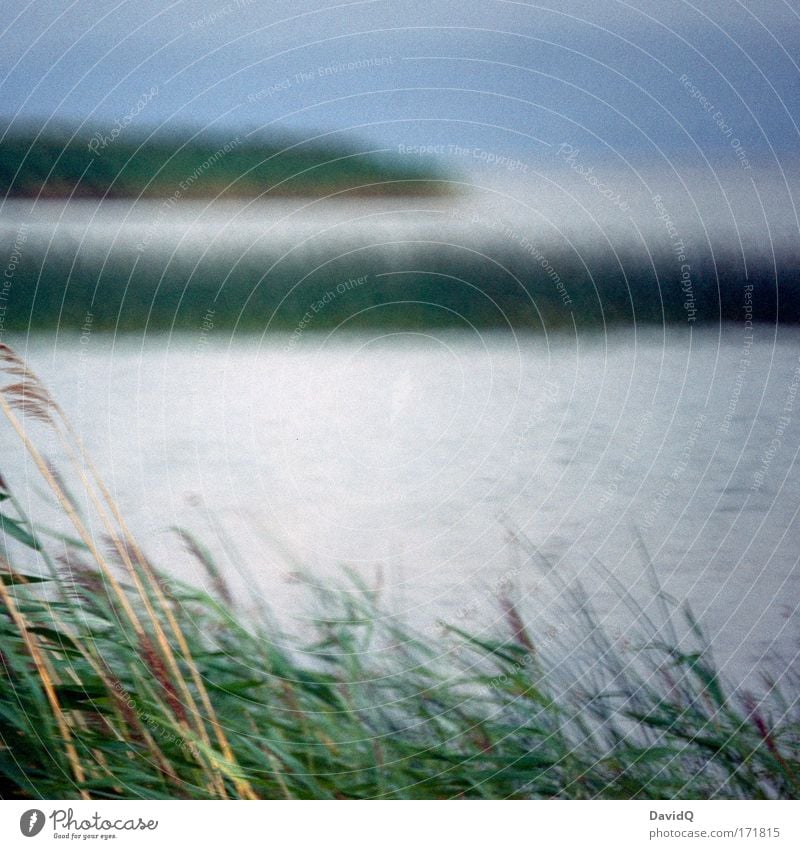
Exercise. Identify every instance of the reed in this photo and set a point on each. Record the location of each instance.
(118, 682)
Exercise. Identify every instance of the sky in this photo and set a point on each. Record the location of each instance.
(651, 79)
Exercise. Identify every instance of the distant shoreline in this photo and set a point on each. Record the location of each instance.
(126, 164)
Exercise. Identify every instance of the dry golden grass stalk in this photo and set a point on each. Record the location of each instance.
(518, 630)
(127, 547)
(91, 580)
(46, 676)
(221, 588)
(32, 399)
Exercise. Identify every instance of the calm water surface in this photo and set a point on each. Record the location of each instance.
(422, 460)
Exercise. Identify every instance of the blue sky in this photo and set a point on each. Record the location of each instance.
(501, 76)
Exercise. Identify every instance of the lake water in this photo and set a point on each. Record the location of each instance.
(416, 458)
(440, 465)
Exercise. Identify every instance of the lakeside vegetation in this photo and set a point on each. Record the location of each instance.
(76, 163)
(116, 681)
(151, 274)
(415, 285)
(144, 275)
